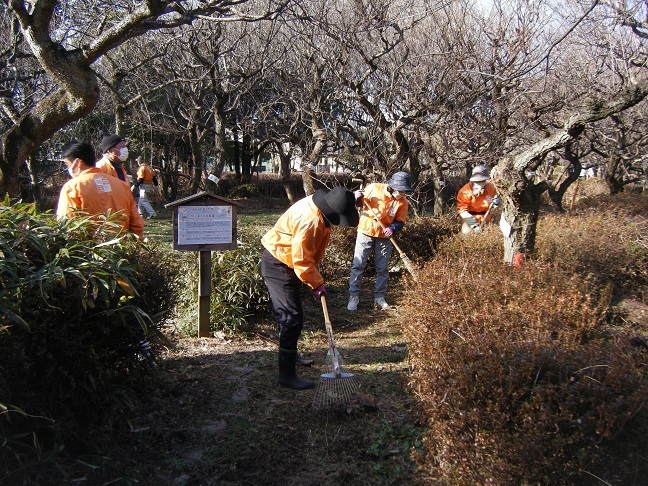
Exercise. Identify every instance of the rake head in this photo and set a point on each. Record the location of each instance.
(335, 388)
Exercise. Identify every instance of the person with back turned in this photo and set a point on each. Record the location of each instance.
(93, 192)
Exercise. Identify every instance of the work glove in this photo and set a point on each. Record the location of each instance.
(358, 195)
(477, 229)
(388, 232)
(496, 201)
(318, 292)
(469, 219)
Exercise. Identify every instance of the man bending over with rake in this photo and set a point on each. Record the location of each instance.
(292, 250)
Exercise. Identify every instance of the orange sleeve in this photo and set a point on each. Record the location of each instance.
(464, 198)
(67, 201)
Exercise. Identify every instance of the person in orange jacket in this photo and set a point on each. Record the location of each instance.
(114, 153)
(388, 203)
(146, 180)
(292, 250)
(94, 192)
(474, 200)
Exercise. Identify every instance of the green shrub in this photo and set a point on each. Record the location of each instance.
(71, 338)
(244, 191)
(238, 289)
(520, 377)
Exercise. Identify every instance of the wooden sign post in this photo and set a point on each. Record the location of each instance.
(204, 223)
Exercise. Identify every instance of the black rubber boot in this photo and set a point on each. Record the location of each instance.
(287, 375)
(303, 361)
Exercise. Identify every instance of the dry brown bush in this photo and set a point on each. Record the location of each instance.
(517, 376)
(606, 242)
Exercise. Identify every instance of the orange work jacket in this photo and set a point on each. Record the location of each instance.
(299, 239)
(386, 206)
(106, 166)
(95, 192)
(476, 205)
(145, 174)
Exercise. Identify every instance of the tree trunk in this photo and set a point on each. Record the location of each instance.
(573, 173)
(609, 176)
(520, 212)
(197, 159)
(285, 172)
(246, 159)
(309, 164)
(35, 185)
(219, 142)
(37, 126)
(521, 197)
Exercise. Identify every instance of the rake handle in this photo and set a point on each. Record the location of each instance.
(329, 333)
(490, 206)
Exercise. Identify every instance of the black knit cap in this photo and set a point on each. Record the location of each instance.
(109, 141)
(337, 205)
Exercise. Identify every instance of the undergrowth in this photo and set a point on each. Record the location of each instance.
(520, 377)
(73, 339)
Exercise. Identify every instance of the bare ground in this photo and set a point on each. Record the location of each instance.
(216, 416)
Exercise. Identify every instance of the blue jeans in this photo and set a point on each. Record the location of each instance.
(382, 252)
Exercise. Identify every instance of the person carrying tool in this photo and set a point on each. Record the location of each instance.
(476, 199)
(386, 204)
(292, 250)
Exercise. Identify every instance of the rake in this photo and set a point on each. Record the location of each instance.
(337, 387)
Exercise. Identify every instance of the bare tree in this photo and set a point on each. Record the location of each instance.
(522, 194)
(66, 43)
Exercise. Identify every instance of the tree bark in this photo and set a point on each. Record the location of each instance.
(521, 197)
(285, 172)
(196, 157)
(219, 142)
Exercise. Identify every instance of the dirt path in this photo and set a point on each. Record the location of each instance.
(217, 417)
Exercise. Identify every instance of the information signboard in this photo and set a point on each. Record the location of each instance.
(204, 225)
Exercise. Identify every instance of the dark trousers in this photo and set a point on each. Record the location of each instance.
(284, 287)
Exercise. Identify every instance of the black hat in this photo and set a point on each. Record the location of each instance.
(337, 205)
(109, 141)
(400, 181)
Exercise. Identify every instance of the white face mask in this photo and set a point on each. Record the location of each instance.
(71, 170)
(123, 154)
(478, 188)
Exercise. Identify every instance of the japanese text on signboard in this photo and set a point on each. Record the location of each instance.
(204, 225)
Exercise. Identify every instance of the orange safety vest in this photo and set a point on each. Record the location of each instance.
(146, 173)
(476, 205)
(386, 206)
(94, 192)
(299, 239)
